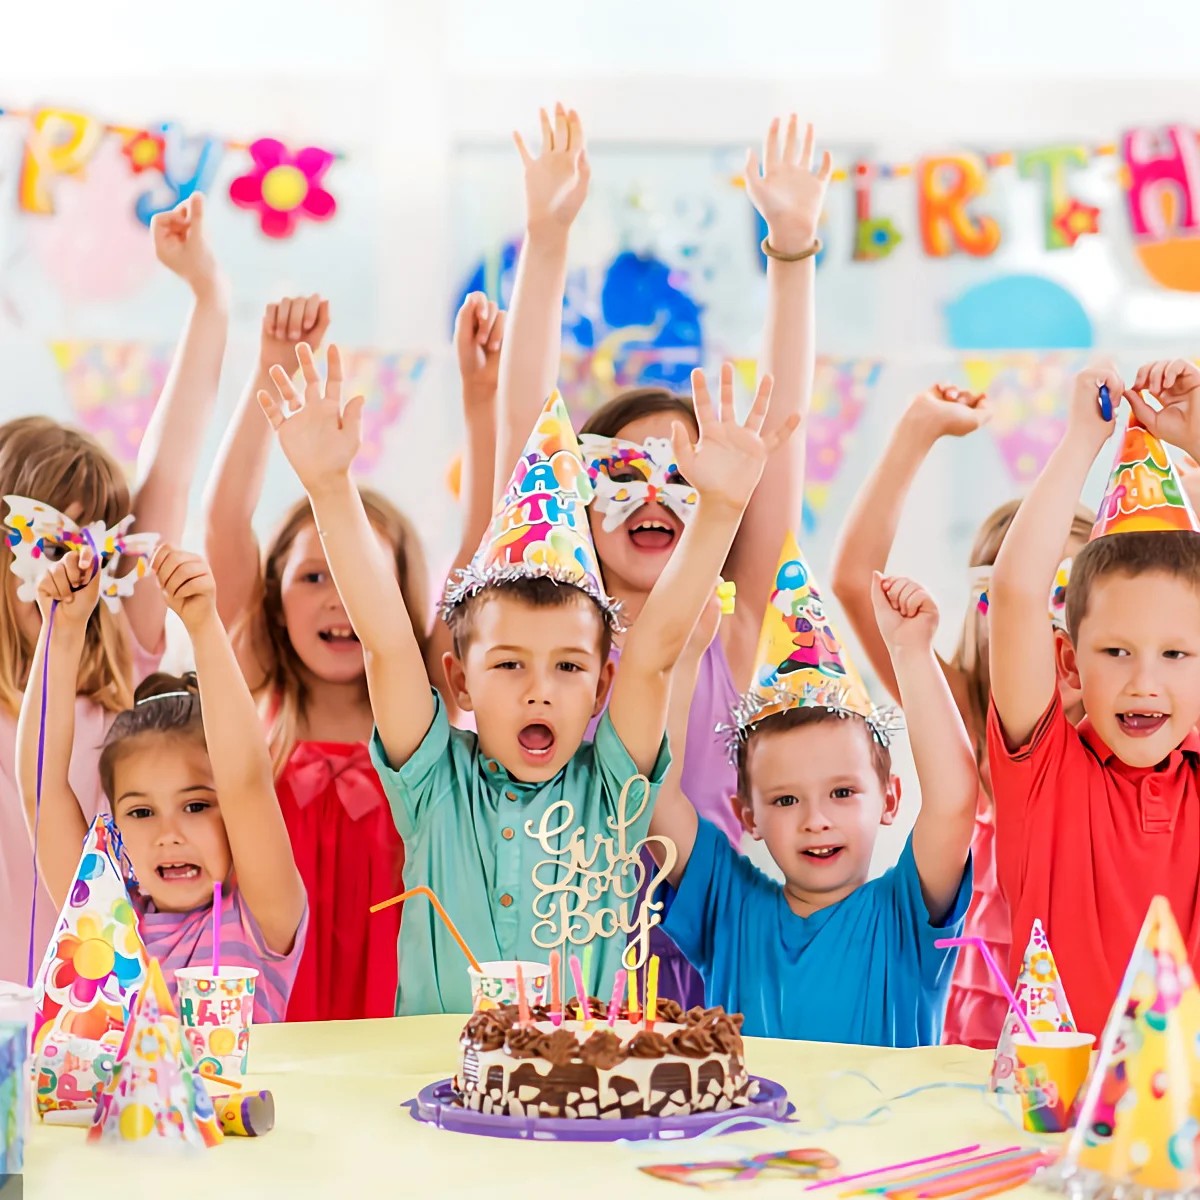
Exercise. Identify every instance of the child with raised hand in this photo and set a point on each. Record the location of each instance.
(305, 665)
(188, 776)
(530, 660)
(627, 445)
(54, 480)
(830, 955)
(976, 1007)
(1094, 820)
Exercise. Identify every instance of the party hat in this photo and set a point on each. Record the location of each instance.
(95, 961)
(540, 526)
(1144, 493)
(1139, 1119)
(156, 1094)
(1043, 1000)
(801, 661)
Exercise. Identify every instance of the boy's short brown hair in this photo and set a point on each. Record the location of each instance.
(1167, 552)
(536, 592)
(799, 717)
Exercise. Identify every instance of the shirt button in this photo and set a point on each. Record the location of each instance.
(493, 767)
(506, 834)
(510, 795)
(506, 900)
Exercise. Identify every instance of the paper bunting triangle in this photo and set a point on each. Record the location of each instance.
(1138, 1122)
(1043, 1000)
(540, 526)
(801, 661)
(156, 1095)
(1144, 493)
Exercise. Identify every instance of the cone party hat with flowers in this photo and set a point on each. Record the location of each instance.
(1138, 1126)
(1144, 492)
(540, 526)
(1042, 999)
(156, 1095)
(801, 662)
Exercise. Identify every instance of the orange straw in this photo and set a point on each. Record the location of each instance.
(209, 1073)
(441, 912)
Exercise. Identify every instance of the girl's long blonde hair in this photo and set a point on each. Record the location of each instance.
(282, 691)
(61, 466)
(971, 657)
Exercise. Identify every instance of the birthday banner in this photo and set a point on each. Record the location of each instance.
(281, 186)
(113, 388)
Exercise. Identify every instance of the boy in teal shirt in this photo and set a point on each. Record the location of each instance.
(508, 826)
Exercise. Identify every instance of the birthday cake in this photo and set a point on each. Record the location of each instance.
(680, 1063)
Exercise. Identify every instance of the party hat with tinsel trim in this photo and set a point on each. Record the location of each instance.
(1138, 1122)
(801, 662)
(156, 1095)
(1144, 493)
(540, 526)
(95, 961)
(1042, 999)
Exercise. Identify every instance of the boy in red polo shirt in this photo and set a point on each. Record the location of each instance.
(1092, 822)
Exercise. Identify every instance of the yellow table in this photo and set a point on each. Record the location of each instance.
(340, 1130)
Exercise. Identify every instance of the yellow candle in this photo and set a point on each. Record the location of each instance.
(633, 993)
(652, 989)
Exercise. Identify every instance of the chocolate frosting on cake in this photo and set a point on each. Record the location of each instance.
(602, 1050)
(525, 1042)
(486, 1030)
(670, 1011)
(560, 1047)
(647, 1044)
(692, 1041)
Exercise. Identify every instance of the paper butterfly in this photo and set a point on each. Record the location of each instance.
(40, 536)
(627, 475)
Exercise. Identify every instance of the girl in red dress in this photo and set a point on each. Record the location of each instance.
(305, 665)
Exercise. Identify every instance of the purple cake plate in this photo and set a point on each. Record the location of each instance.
(435, 1106)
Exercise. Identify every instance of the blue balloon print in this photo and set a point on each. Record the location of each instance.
(791, 577)
(126, 970)
(91, 866)
(1018, 312)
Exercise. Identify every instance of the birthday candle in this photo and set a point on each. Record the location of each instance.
(587, 967)
(522, 1003)
(614, 1005)
(555, 987)
(652, 991)
(585, 1013)
(633, 993)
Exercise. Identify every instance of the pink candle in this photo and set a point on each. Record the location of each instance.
(217, 929)
(555, 987)
(585, 1012)
(614, 1005)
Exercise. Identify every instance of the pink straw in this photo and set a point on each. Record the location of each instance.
(916, 1162)
(614, 1005)
(217, 930)
(993, 966)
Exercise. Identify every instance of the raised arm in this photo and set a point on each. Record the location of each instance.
(1021, 640)
(1175, 384)
(236, 480)
(61, 826)
(321, 441)
(241, 764)
(556, 183)
(789, 195)
(171, 445)
(724, 467)
(478, 338)
(945, 762)
(867, 534)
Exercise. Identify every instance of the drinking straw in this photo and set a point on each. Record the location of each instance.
(916, 1162)
(910, 1184)
(993, 966)
(441, 912)
(555, 987)
(614, 1005)
(522, 1003)
(208, 1073)
(585, 1009)
(216, 970)
(652, 991)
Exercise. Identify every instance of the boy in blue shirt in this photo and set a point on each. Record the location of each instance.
(829, 955)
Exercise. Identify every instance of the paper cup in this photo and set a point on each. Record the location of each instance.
(216, 1013)
(1049, 1074)
(495, 983)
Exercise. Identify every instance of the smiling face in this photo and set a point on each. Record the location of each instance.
(534, 675)
(1136, 661)
(166, 808)
(313, 613)
(814, 792)
(635, 552)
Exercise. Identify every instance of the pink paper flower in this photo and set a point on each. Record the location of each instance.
(284, 186)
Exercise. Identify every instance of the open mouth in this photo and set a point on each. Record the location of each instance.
(536, 742)
(1141, 724)
(177, 872)
(339, 636)
(823, 853)
(652, 535)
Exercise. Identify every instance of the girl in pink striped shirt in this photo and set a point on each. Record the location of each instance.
(188, 775)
